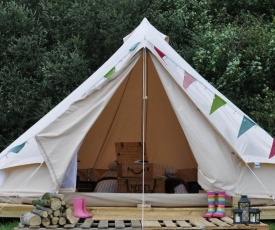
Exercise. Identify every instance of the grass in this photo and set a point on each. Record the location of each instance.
(8, 223)
(271, 224)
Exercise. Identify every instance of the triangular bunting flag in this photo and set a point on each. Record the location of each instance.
(159, 52)
(246, 125)
(134, 46)
(188, 80)
(16, 149)
(272, 152)
(217, 103)
(110, 73)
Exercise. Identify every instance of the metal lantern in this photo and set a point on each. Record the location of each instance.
(254, 216)
(244, 205)
(237, 216)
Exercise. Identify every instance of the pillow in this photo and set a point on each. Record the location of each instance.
(113, 166)
(108, 174)
(169, 170)
(107, 186)
(180, 189)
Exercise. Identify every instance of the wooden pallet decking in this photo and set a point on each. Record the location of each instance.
(132, 213)
(191, 223)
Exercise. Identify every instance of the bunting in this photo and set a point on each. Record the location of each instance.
(16, 149)
(161, 54)
(110, 73)
(272, 152)
(188, 80)
(246, 125)
(133, 47)
(217, 103)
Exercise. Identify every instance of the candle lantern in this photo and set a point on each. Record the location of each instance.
(237, 216)
(254, 216)
(244, 205)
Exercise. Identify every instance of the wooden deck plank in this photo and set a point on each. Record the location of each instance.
(136, 224)
(219, 223)
(206, 223)
(119, 224)
(183, 223)
(169, 224)
(87, 223)
(103, 224)
(227, 220)
(151, 224)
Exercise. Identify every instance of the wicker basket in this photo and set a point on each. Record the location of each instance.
(136, 170)
(134, 185)
(129, 152)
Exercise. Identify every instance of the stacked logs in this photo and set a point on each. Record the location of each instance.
(50, 209)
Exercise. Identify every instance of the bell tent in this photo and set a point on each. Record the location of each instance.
(144, 93)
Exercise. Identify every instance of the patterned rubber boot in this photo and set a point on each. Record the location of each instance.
(211, 204)
(221, 205)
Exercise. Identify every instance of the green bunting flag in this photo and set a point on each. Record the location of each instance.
(246, 125)
(272, 152)
(217, 103)
(110, 73)
(16, 149)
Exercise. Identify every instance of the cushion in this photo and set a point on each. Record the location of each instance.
(107, 186)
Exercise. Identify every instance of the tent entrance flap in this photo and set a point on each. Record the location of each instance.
(122, 121)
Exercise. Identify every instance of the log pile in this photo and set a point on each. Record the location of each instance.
(50, 209)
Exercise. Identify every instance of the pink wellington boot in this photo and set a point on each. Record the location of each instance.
(84, 208)
(78, 212)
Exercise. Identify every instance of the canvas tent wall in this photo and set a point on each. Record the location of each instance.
(144, 92)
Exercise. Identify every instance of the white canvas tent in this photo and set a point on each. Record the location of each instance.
(145, 93)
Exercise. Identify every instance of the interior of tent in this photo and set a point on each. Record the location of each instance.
(141, 112)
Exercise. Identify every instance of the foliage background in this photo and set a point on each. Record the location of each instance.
(48, 48)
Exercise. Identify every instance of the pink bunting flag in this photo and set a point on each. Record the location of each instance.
(188, 80)
(159, 52)
(272, 152)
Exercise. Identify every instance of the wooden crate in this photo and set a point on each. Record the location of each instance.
(136, 170)
(134, 185)
(129, 152)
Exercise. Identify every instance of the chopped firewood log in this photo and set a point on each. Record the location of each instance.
(45, 221)
(40, 212)
(54, 220)
(62, 221)
(55, 203)
(48, 196)
(30, 219)
(48, 210)
(69, 211)
(71, 219)
(56, 212)
(44, 203)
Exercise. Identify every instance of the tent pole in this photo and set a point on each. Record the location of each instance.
(144, 102)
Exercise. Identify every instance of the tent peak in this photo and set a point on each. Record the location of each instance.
(144, 27)
(145, 20)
